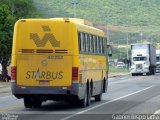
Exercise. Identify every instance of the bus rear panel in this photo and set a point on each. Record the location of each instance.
(43, 58)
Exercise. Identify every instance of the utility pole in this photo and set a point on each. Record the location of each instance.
(74, 3)
(108, 39)
(127, 40)
(120, 54)
(151, 40)
(141, 34)
(127, 45)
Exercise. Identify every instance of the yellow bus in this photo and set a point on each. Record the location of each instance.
(58, 59)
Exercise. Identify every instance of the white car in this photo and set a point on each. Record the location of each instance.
(0, 69)
(121, 65)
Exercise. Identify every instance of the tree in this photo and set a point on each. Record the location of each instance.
(23, 9)
(10, 11)
(6, 26)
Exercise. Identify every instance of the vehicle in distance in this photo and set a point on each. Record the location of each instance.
(58, 59)
(143, 59)
(121, 65)
(157, 61)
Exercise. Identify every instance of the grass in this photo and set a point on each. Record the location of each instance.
(118, 70)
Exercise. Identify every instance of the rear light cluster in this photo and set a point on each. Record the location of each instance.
(74, 73)
(42, 51)
(13, 73)
(61, 51)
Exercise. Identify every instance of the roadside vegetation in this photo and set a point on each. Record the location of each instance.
(10, 11)
(137, 19)
(118, 70)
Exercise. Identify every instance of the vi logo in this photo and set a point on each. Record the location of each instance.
(48, 36)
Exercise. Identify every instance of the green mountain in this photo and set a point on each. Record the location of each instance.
(137, 19)
(116, 12)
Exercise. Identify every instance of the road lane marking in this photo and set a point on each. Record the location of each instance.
(157, 112)
(94, 107)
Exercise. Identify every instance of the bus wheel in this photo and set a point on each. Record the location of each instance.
(88, 95)
(36, 103)
(83, 103)
(98, 97)
(27, 103)
(105, 85)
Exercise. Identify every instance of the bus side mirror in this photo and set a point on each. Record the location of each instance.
(109, 50)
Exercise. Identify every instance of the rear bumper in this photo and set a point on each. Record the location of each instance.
(23, 91)
(139, 71)
(158, 69)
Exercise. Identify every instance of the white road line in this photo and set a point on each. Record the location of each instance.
(157, 112)
(94, 107)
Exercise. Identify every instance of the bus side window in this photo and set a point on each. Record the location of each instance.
(82, 41)
(86, 42)
(79, 41)
(94, 44)
(96, 49)
(91, 46)
(104, 45)
(100, 45)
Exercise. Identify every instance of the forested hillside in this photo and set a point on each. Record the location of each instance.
(137, 19)
(116, 12)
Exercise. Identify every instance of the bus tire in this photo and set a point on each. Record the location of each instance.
(27, 103)
(36, 103)
(91, 87)
(105, 85)
(83, 103)
(88, 95)
(98, 97)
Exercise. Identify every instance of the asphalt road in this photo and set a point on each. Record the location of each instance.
(126, 95)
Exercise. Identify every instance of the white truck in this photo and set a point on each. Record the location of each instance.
(157, 61)
(143, 59)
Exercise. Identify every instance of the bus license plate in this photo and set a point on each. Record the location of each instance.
(43, 82)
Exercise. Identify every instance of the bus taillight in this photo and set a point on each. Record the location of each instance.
(13, 73)
(74, 73)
